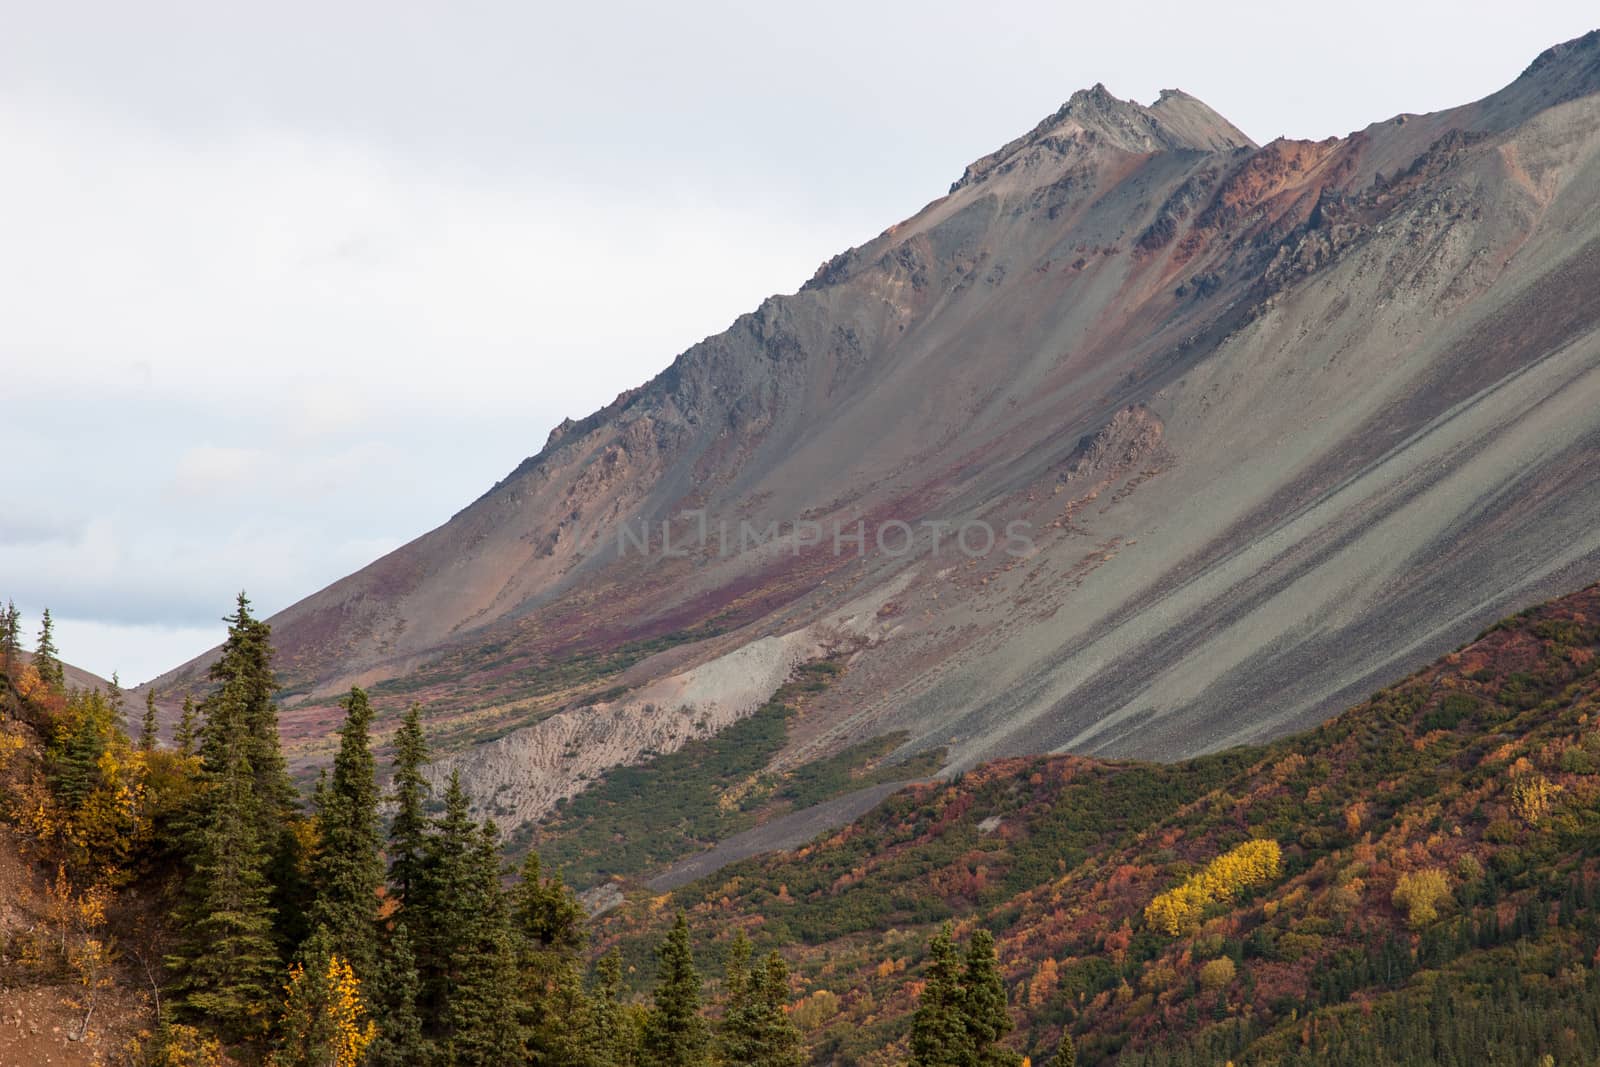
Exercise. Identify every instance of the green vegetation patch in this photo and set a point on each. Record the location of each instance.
(640, 818)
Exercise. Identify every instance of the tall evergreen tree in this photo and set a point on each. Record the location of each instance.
(148, 727)
(734, 1038)
(756, 1028)
(116, 698)
(609, 1041)
(10, 637)
(674, 1034)
(227, 963)
(400, 1042)
(546, 911)
(466, 956)
(46, 660)
(435, 908)
(245, 662)
(187, 736)
(480, 1017)
(244, 669)
(780, 1044)
(985, 1003)
(347, 868)
(73, 753)
(940, 1036)
(408, 832)
(548, 923)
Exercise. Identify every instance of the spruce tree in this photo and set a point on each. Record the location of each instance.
(985, 1004)
(46, 660)
(116, 698)
(480, 1017)
(1066, 1053)
(408, 831)
(546, 911)
(72, 763)
(435, 910)
(187, 736)
(674, 1034)
(466, 955)
(10, 637)
(400, 1042)
(940, 1036)
(227, 964)
(757, 1030)
(244, 668)
(246, 663)
(609, 1039)
(556, 1026)
(148, 728)
(735, 1039)
(781, 1045)
(305, 1036)
(549, 931)
(347, 868)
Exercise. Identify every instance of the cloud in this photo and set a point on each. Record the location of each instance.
(207, 470)
(20, 527)
(303, 355)
(137, 652)
(276, 301)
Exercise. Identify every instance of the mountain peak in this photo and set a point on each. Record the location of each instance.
(1567, 71)
(1176, 122)
(1581, 54)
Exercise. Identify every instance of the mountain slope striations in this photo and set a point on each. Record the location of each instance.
(1281, 423)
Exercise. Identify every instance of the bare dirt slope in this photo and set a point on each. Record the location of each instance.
(1281, 422)
(51, 1020)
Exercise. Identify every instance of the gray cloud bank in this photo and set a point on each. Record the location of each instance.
(286, 285)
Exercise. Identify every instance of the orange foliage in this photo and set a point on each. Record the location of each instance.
(1044, 983)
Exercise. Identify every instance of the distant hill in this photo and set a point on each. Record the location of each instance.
(1438, 899)
(76, 677)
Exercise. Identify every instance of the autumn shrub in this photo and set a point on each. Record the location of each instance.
(1217, 974)
(11, 742)
(1296, 945)
(1451, 711)
(1532, 796)
(1045, 982)
(815, 1010)
(1157, 977)
(1577, 760)
(174, 1045)
(1419, 894)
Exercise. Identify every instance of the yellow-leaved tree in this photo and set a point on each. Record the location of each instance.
(325, 1021)
(1420, 893)
(1251, 864)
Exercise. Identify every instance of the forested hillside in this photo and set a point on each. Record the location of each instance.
(181, 905)
(1414, 882)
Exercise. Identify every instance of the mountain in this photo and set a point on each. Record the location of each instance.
(75, 677)
(1255, 429)
(1427, 887)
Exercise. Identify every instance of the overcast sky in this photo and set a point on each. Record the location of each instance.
(285, 285)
